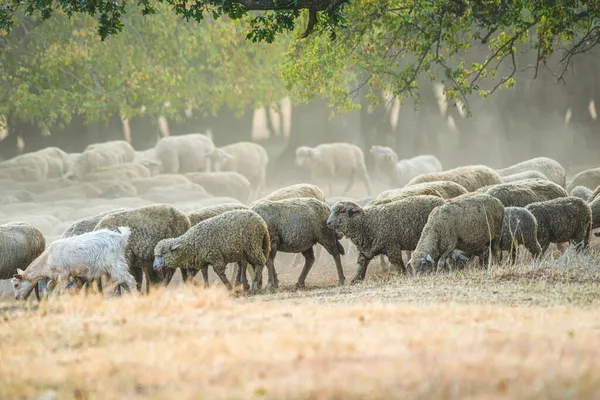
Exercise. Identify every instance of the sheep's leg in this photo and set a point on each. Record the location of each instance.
(138, 275)
(273, 281)
(495, 250)
(99, 283)
(397, 263)
(168, 275)
(337, 258)
(205, 276)
(240, 276)
(441, 264)
(257, 278)
(361, 272)
(37, 291)
(513, 254)
(155, 277)
(309, 260)
(220, 271)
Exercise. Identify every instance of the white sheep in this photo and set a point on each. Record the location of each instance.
(89, 256)
(400, 172)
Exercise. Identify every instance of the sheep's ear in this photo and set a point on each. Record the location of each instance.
(18, 276)
(352, 208)
(174, 246)
(428, 258)
(20, 271)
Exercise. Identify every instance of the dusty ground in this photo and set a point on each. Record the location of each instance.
(514, 332)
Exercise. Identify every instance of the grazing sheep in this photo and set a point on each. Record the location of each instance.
(184, 153)
(205, 213)
(401, 172)
(589, 178)
(119, 172)
(582, 192)
(234, 236)
(148, 225)
(383, 229)
(88, 256)
(524, 176)
(566, 219)
(446, 189)
(99, 155)
(222, 184)
(471, 223)
(115, 190)
(296, 191)
(333, 161)
(164, 180)
(470, 177)
(20, 244)
(246, 158)
(295, 226)
(519, 227)
(522, 193)
(50, 161)
(551, 169)
(399, 194)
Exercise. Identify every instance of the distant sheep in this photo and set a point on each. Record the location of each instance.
(470, 177)
(184, 153)
(400, 172)
(246, 158)
(524, 176)
(551, 169)
(223, 184)
(149, 160)
(160, 181)
(119, 172)
(519, 227)
(330, 162)
(82, 191)
(589, 178)
(88, 256)
(296, 191)
(522, 193)
(582, 192)
(471, 223)
(100, 155)
(444, 189)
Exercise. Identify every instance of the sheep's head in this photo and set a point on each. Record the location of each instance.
(421, 263)
(220, 159)
(165, 254)
(154, 166)
(304, 155)
(341, 212)
(384, 154)
(21, 286)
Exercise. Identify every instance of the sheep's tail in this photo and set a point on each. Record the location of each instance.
(125, 231)
(266, 245)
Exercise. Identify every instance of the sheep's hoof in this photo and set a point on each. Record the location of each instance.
(356, 280)
(341, 282)
(300, 286)
(271, 289)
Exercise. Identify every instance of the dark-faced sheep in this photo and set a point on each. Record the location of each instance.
(471, 223)
(471, 177)
(519, 227)
(226, 238)
(384, 229)
(333, 161)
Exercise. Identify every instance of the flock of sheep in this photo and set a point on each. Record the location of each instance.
(112, 213)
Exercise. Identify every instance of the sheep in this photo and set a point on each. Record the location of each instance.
(119, 172)
(20, 244)
(176, 193)
(44, 186)
(246, 158)
(115, 190)
(88, 224)
(149, 225)
(471, 223)
(519, 227)
(522, 193)
(51, 160)
(582, 192)
(229, 237)
(401, 172)
(470, 177)
(333, 161)
(595, 207)
(296, 191)
(589, 178)
(523, 176)
(149, 160)
(23, 173)
(222, 184)
(594, 194)
(444, 189)
(82, 191)
(145, 184)
(295, 226)
(399, 194)
(43, 222)
(184, 153)
(384, 229)
(551, 169)
(98, 155)
(566, 219)
(88, 256)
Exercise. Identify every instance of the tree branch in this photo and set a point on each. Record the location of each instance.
(267, 5)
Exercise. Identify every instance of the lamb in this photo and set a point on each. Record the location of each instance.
(184, 153)
(582, 192)
(222, 184)
(566, 219)
(88, 256)
(471, 223)
(589, 178)
(148, 225)
(295, 226)
(383, 229)
(246, 158)
(20, 244)
(401, 172)
(98, 155)
(520, 176)
(119, 172)
(519, 227)
(470, 177)
(296, 191)
(229, 237)
(551, 169)
(333, 161)
(445, 189)
(522, 193)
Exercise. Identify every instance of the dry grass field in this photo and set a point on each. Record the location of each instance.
(526, 332)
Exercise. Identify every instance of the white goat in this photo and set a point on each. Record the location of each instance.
(89, 256)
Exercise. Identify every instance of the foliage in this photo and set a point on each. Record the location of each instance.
(54, 70)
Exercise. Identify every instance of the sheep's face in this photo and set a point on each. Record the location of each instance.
(341, 212)
(384, 155)
(21, 287)
(304, 156)
(220, 160)
(421, 263)
(165, 255)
